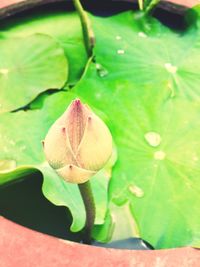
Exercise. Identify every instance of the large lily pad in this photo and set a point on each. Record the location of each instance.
(147, 82)
(65, 27)
(29, 66)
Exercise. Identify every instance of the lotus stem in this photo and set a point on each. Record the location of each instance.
(88, 34)
(151, 6)
(141, 4)
(88, 200)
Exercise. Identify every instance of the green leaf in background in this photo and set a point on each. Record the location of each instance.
(10, 172)
(148, 54)
(22, 153)
(147, 83)
(65, 27)
(29, 66)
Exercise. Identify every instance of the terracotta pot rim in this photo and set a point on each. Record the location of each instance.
(20, 246)
(25, 228)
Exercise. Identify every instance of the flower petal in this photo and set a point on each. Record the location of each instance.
(74, 174)
(76, 118)
(96, 146)
(57, 148)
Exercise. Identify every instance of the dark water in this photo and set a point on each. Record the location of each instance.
(24, 203)
(97, 7)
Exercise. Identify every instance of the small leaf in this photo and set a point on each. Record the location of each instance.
(29, 66)
(64, 26)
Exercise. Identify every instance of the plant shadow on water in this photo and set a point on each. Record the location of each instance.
(24, 203)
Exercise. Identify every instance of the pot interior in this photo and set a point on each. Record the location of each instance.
(23, 202)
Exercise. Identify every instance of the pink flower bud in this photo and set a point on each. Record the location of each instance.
(78, 144)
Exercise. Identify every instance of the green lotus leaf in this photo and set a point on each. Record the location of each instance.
(65, 27)
(146, 80)
(28, 67)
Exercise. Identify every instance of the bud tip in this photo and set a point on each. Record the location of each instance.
(42, 143)
(77, 102)
(63, 130)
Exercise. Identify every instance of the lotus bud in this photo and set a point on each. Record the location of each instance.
(78, 144)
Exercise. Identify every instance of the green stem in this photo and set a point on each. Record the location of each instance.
(141, 4)
(88, 200)
(88, 34)
(151, 6)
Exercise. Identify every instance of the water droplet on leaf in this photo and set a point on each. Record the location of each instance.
(137, 191)
(142, 35)
(102, 72)
(120, 51)
(118, 37)
(170, 68)
(4, 71)
(153, 139)
(159, 155)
